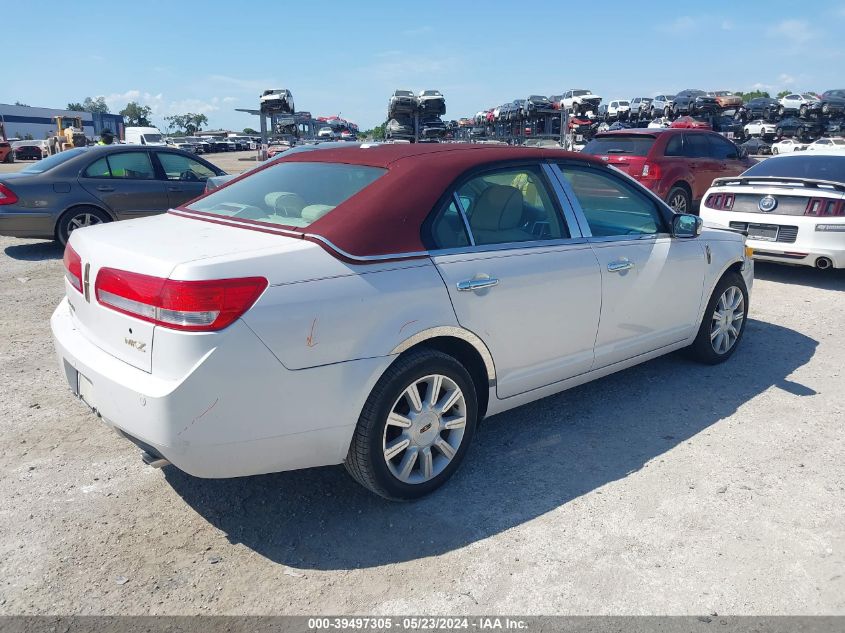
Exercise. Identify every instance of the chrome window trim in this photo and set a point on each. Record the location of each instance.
(507, 246)
(459, 205)
(573, 226)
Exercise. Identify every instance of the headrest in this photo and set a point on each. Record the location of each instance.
(499, 207)
(314, 212)
(285, 203)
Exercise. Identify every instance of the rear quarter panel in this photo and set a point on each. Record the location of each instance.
(363, 315)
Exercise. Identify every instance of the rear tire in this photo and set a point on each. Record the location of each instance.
(679, 199)
(723, 323)
(77, 218)
(406, 446)
(10, 157)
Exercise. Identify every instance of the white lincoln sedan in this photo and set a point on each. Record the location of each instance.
(370, 305)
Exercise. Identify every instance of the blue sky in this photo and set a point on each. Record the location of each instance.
(347, 57)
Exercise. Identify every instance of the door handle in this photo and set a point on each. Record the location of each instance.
(105, 188)
(620, 265)
(477, 284)
(174, 188)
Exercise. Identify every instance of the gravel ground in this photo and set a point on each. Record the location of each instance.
(670, 488)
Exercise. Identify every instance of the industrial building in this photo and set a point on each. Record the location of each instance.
(39, 123)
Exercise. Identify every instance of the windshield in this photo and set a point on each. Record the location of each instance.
(580, 93)
(52, 161)
(152, 138)
(810, 97)
(404, 93)
(628, 144)
(290, 193)
(624, 103)
(823, 167)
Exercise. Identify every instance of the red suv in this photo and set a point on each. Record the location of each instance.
(677, 164)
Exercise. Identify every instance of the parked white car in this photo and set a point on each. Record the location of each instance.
(661, 105)
(787, 146)
(580, 101)
(369, 305)
(834, 145)
(618, 108)
(759, 127)
(793, 208)
(279, 100)
(796, 102)
(659, 123)
(641, 106)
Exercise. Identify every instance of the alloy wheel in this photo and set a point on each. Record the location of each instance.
(425, 428)
(82, 220)
(679, 202)
(727, 320)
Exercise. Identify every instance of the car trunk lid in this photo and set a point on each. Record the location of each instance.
(173, 247)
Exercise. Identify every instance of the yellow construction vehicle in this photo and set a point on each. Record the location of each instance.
(69, 134)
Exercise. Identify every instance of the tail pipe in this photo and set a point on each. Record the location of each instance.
(823, 263)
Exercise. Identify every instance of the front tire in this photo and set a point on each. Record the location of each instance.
(77, 218)
(415, 427)
(10, 157)
(774, 151)
(724, 320)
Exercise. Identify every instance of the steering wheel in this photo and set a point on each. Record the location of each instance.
(189, 175)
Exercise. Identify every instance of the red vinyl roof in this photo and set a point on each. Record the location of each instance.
(385, 217)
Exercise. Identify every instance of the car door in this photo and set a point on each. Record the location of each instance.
(703, 167)
(520, 275)
(126, 183)
(185, 177)
(727, 156)
(652, 284)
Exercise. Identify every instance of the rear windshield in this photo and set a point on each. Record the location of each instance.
(152, 138)
(289, 193)
(814, 167)
(52, 161)
(628, 144)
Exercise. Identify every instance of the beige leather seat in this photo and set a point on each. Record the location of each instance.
(314, 212)
(285, 203)
(497, 216)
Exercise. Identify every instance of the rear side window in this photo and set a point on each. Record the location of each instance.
(510, 205)
(675, 146)
(289, 193)
(628, 144)
(128, 165)
(696, 146)
(613, 207)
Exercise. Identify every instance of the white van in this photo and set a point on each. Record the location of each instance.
(144, 136)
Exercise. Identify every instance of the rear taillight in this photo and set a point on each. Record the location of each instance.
(73, 267)
(651, 171)
(824, 207)
(194, 306)
(7, 196)
(720, 201)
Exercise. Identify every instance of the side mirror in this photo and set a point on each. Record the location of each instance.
(686, 225)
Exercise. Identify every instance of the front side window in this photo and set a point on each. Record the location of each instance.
(510, 205)
(178, 167)
(613, 207)
(128, 165)
(289, 193)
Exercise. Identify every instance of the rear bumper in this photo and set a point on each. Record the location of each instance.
(810, 244)
(36, 224)
(237, 412)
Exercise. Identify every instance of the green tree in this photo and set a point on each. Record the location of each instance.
(136, 115)
(188, 123)
(76, 106)
(377, 133)
(748, 96)
(18, 103)
(783, 93)
(250, 132)
(95, 105)
(27, 136)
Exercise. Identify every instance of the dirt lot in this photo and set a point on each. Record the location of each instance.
(670, 488)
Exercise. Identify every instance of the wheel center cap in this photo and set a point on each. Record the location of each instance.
(426, 427)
